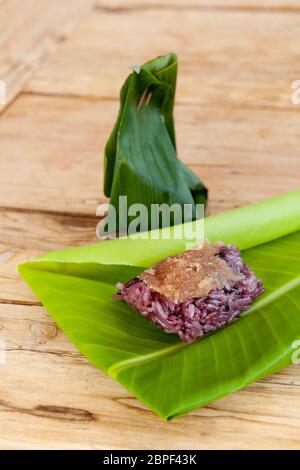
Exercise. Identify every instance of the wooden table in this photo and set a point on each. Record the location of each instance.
(63, 62)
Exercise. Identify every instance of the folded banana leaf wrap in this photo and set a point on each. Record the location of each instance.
(140, 159)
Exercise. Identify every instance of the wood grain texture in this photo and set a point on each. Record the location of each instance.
(35, 230)
(236, 128)
(61, 401)
(13, 290)
(29, 30)
(249, 5)
(55, 145)
(231, 58)
(25, 235)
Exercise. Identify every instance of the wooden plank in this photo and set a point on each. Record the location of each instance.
(25, 235)
(52, 154)
(239, 58)
(61, 401)
(29, 30)
(252, 5)
(236, 128)
(13, 289)
(51, 151)
(45, 231)
(51, 397)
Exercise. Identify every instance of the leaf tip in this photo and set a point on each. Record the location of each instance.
(135, 68)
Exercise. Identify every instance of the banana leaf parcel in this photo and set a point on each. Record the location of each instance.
(170, 377)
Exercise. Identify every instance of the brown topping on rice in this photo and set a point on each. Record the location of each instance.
(193, 273)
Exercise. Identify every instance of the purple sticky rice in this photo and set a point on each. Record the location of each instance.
(193, 318)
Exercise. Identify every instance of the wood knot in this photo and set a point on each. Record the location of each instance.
(63, 413)
(43, 332)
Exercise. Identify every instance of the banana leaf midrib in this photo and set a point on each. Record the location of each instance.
(119, 366)
(274, 295)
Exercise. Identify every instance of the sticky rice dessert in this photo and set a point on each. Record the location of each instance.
(195, 292)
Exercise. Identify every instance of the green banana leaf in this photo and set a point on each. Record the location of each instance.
(77, 287)
(140, 159)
